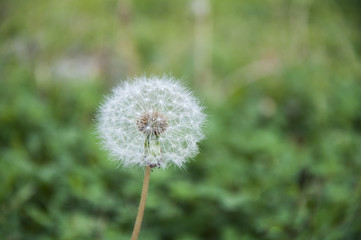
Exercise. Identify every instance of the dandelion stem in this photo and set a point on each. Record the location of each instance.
(143, 198)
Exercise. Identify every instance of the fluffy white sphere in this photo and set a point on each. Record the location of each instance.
(151, 121)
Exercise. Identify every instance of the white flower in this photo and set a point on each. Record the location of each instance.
(151, 121)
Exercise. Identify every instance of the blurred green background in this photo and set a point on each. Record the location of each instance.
(281, 84)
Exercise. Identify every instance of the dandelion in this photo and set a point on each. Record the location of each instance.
(150, 122)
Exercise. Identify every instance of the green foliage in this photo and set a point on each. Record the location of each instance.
(281, 85)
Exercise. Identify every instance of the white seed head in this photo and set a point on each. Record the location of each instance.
(151, 121)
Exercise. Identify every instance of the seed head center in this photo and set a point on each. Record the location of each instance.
(152, 123)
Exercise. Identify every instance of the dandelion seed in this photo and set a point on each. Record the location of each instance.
(151, 121)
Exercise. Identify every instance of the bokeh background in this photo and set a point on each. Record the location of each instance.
(280, 80)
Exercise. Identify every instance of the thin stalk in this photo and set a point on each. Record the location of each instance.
(143, 198)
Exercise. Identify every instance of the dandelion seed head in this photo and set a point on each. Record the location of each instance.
(151, 120)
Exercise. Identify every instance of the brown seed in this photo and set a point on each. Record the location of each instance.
(152, 123)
